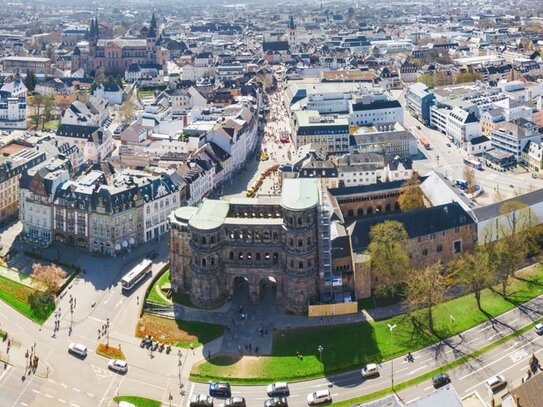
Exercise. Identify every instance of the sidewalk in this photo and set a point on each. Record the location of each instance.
(16, 356)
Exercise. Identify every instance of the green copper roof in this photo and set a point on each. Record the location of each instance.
(299, 194)
(210, 215)
(183, 214)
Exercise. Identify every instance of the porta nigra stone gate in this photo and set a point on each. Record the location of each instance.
(254, 241)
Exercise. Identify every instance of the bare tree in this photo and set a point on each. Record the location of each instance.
(411, 196)
(389, 257)
(469, 175)
(51, 276)
(127, 111)
(474, 271)
(425, 288)
(512, 234)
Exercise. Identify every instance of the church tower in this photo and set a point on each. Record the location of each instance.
(151, 39)
(292, 34)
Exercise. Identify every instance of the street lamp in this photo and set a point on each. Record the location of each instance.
(320, 349)
(391, 328)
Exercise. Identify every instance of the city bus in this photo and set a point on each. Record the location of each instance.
(138, 273)
(473, 162)
(425, 143)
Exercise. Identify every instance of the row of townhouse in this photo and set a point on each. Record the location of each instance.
(224, 141)
(102, 211)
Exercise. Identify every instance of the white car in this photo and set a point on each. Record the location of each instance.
(539, 329)
(119, 366)
(496, 382)
(78, 349)
(370, 370)
(319, 397)
(279, 389)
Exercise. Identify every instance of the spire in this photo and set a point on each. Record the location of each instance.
(291, 25)
(96, 27)
(153, 22)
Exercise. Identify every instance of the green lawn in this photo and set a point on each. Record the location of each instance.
(178, 298)
(351, 346)
(138, 401)
(16, 295)
(154, 296)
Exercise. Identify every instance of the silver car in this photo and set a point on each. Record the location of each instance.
(77, 349)
(119, 366)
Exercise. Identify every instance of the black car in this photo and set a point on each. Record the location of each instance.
(440, 380)
(276, 402)
(219, 390)
(153, 254)
(234, 402)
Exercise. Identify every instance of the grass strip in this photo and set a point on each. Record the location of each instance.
(138, 401)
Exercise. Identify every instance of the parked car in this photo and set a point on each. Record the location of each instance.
(539, 328)
(78, 350)
(279, 389)
(276, 402)
(219, 390)
(201, 400)
(119, 366)
(371, 370)
(496, 382)
(440, 380)
(319, 397)
(234, 402)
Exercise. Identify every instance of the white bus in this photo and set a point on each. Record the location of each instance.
(138, 273)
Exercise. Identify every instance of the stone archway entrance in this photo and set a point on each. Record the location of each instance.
(268, 289)
(241, 288)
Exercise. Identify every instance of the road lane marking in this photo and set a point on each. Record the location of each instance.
(64, 385)
(427, 388)
(417, 369)
(36, 391)
(499, 359)
(97, 319)
(24, 404)
(493, 336)
(90, 395)
(4, 373)
(48, 396)
(62, 401)
(191, 390)
(23, 392)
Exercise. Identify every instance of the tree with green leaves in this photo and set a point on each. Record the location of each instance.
(474, 271)
(388, 252)
(427, 79)
(411, 196)
(425, 288)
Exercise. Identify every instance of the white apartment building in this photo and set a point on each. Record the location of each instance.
(373, 109)
(512, 137)
(160, 196)
(37, 191)
(462, 126)
(93, 143)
